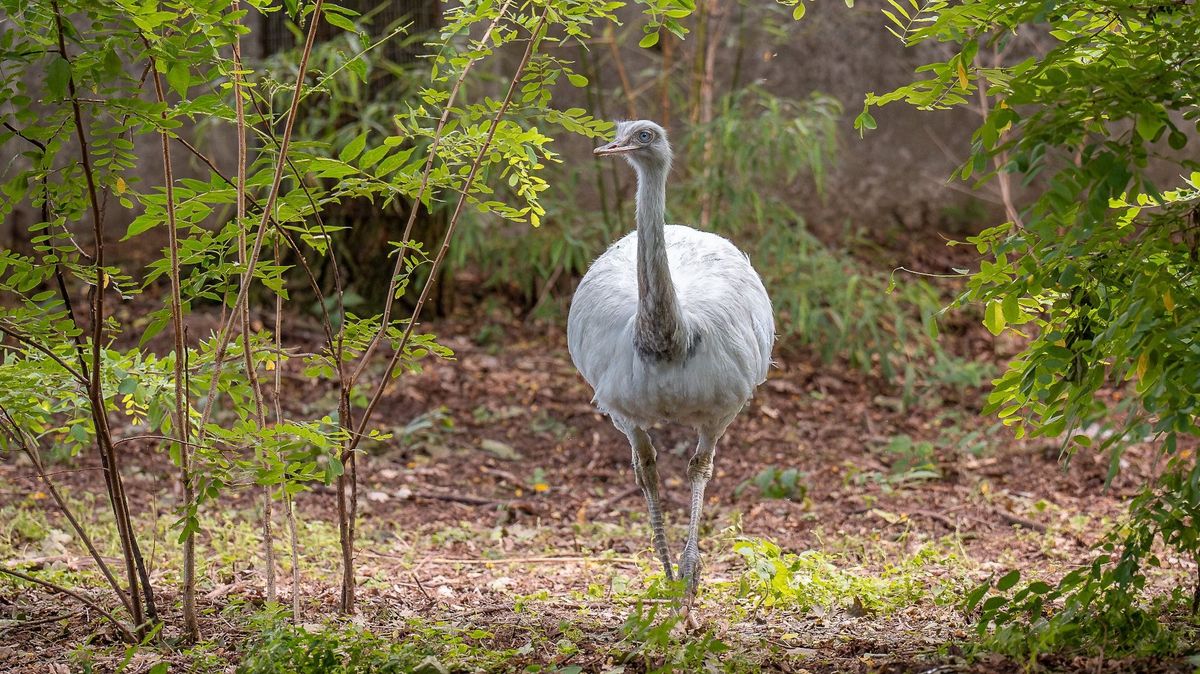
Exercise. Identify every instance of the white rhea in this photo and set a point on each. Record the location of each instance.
(669, 324)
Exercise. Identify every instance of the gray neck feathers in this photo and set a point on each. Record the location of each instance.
(659, 334)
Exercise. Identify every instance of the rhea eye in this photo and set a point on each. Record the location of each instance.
(644, 136)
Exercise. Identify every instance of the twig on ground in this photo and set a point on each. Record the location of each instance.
(1010, 518)
(484, 610)
(421, 587)
(608, 501)
(937, 517)
(125, 633)
(23, 624)
(503, 475)
(459, 498)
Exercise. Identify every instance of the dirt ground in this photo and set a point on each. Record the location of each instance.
(507, 504)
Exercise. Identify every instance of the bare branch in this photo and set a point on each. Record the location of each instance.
(53, 356)
(272, 196)
(125, 633)
(416, 205)
(182, 411)
(31, 450)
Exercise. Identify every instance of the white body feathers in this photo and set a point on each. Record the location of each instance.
(669, 324)
(723, 305)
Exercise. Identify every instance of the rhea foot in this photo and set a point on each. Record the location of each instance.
(689, 572)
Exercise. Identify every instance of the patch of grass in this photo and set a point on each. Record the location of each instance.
(649, 630)
(812, 579)
(333, 650)
(416, 646)
(963, 436)
(543, 422)
(21, 527)
(33, 528)
(650, 641)
(909, 461)
(462, 532)
(231, 540)
(426, 430)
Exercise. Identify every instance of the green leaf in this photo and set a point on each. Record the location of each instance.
(993, 317)
(334, 469)
(649, 40)
(340, 21)
(1039, 587)
(577, 80)
(153, 328)
(58, 73)
(976, 596)
(798, 12)
(1149, 125)
(372, 156)
(179, 78)
(142, 223)
(353, 148)
(128, 385)
(1011, 308)
(992, 604)
(864, 121)
(1008, 580)
(78, 433)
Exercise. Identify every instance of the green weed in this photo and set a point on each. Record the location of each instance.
(811, 579)
(649, 628)
(911, 460)
(22, 526)
(426, 430)
(777, 483)
(333, 650)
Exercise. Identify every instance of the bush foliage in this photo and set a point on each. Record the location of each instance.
(76, 77)
(1090, 105)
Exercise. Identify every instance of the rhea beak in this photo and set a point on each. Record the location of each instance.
(614, 147)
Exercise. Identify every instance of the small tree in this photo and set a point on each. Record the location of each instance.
(85, 80)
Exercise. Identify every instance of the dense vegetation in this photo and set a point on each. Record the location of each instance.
(226, 234)
(1087, 110)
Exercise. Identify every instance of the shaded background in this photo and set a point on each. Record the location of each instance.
(896, 175)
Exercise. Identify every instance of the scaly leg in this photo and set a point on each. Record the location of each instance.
(700, 470)
(645, 471)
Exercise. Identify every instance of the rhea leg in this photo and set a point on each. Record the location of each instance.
(700, 470)
(645, 471)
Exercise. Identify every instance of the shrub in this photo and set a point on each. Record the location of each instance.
(1090, 104)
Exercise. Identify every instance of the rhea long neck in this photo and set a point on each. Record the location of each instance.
(659, 333)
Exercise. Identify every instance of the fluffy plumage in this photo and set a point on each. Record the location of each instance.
(725, 313)
(669, 324)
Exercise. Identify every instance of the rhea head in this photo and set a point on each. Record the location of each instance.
(643, 144)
